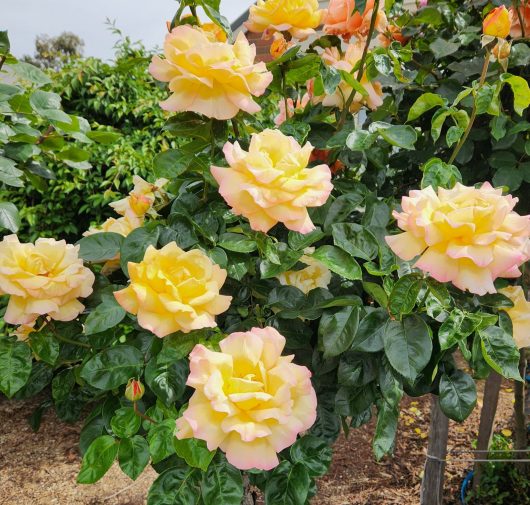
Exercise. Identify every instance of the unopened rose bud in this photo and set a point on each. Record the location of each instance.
(134, 390)
(279, 45)
(497, 23)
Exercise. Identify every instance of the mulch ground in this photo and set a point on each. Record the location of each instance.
(41, 468)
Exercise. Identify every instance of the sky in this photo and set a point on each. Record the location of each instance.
(143, 20)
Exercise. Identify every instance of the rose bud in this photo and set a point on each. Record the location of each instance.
(134, 390)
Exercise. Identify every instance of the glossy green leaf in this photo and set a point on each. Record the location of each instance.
(194, 452)
(98, 459)
(113, 367)
(15, 366)
(133, 456)
(287, 485)
(338, 261)
(125, 422)
(100, 246)
(222, 484)
(458, 395)
(408, 345)
(337, 330)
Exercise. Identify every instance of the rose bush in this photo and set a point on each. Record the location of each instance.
(296, 290)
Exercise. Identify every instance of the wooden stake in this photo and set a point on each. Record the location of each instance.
(521, 437)
(487, 418)
(433, 477)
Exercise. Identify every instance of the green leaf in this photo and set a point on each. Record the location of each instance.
(385, 429)
(455, 328)
(62, 384)
(41, 101)
(222, 484)
(194, 452)
(404, 294)
(178, 345)
(360, 140)
(280, 258)
(170, 164)
(237, 242)
(45, 346)
(521, 91)
(376, 292)
(30, 73)
(176, 486)
(100, 246)
(104, 137)
(437, 173)
(510, 177)
(355, 240)
(424, 103)
(98, 459)
(403, 136)
(341, 208)
(339, 262)
(125, 422)
(500, 352)
(15, 366)
(408, 345)
(9, 217)
(441, 48)
(106, 315)
(296, 129)
(287, 485)
(299, 241)
(160, 440)
(313, 453)
(133, 456)
(135, 244)
(167, 381)
(113, 367)
(369, 336)
(9, 173)
(337, 330)
(353, 82)
(438, 121)
(4, 43)
(458, 395)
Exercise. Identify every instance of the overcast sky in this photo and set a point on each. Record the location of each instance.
(143, 20)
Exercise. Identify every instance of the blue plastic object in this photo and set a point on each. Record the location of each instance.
(465, 485)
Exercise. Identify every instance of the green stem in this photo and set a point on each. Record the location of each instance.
(236, 128)
(284, 92)
(67, 340)
(360, 72)
(474, 111)
(142, 415)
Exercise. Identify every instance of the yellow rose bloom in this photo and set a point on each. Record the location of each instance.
(141, 199)
(213, 78)
(249, 400)
(271, 182)
(172, 290)
(465, 235)
(43, 278)
(497, 23)
(316, 275)
(519, 314)
(298, 17)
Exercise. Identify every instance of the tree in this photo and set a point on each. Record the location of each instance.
(55, 52)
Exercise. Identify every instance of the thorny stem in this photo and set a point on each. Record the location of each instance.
(284, 92)
(360, 72)
(236, 128)
(142, 415)
(66, 340)
(474, 111)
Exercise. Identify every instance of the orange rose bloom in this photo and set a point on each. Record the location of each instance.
(342, 19)
(392, 33)
(524, 13)
(497, 23)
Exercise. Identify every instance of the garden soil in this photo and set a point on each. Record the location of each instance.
(40, 468)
